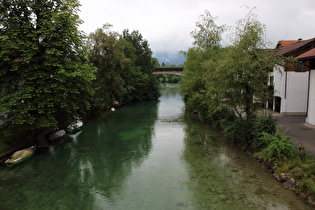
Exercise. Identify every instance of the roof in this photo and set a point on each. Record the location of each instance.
(308, 54)
(288, 42)
(284, 43)
(289, 49)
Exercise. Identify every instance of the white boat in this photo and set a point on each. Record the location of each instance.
(57, 135)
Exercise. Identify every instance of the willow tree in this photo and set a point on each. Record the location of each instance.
(207, 49)
(241, 75)
(231, 79)
(44, 72)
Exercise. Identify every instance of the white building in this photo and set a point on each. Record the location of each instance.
(291, 83)
(308, 59)
(290, 91)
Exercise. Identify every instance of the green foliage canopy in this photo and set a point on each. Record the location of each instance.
(45, 76)
(234, 77)
(244, 69)
(141, 84)
(106, 52)
(124, 66)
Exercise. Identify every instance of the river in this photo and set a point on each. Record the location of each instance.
(149, 155)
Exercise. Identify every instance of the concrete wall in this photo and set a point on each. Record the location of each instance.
(311, 106)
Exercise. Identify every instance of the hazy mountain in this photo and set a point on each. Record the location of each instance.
(169, 58)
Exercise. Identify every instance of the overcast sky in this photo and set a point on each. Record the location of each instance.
(167, 24)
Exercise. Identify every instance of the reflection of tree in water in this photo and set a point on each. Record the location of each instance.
(169, 90)
(211, 176)
(122, 141)
(222, 178)
(216, 177)
(89, 170)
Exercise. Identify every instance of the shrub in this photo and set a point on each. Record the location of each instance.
(240, 131)
(280, 147)
(220, 117)
(309, 168)
(263, 141)
(307, 186)
(298, 173)
(265, 124)
(193, 102)
(249, 131)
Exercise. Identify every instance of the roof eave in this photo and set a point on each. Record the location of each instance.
(306, 58)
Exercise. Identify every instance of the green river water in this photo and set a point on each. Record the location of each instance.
(149, 155)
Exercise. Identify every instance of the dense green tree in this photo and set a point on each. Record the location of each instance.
(241, 75)
(141, 84)
(207, 33)
(143, 53)
(233, 76)
(207, 49)
(124, 66)
(227, 86)
(44, 72)
(107, 54)
(155, 62)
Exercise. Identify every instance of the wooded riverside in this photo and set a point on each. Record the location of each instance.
(228, 87)
(52, 74)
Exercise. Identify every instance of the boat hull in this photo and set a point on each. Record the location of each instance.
(20, 156)
(57, 135)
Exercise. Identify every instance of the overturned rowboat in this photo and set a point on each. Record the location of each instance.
(57, 135)
(20, 156)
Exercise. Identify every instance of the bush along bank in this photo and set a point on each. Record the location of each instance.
(260, 136)
(289, 165)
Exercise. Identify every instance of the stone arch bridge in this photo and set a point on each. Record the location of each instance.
(175, 71)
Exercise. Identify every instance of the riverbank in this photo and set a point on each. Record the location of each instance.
(296, 174)
(22, 139)
(273, 148)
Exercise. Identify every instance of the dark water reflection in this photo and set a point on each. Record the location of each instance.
(148, 155)
(93, 163)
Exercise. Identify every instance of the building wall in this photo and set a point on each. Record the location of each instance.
(311, 106)
(297, 92)
(292, 88)
(279, 85)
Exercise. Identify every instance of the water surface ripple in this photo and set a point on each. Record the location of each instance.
(150, 155)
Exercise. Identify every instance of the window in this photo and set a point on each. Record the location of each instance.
(300, 66)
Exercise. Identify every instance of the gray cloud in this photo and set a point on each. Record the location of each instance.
(166, 24)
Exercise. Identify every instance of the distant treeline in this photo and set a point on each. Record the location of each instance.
(168, 65)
